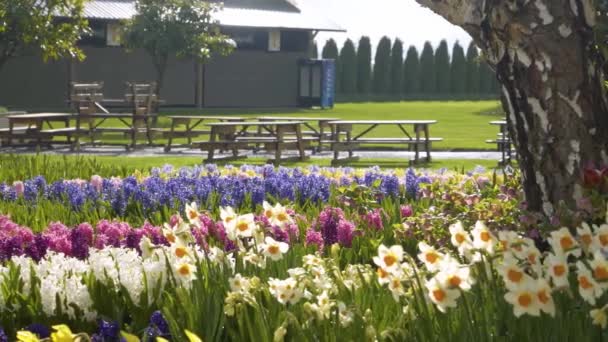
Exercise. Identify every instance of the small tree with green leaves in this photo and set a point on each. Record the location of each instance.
(52, 27)
(472, 73)
(411, 72)
(397, 67)
(364, 65)
(348, 62)
(182, 28)
(428, 84)
(382, 67)
(442, 68)
(314, 50)
(458, 70)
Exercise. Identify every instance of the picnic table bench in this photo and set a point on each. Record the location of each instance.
(192, 123)
(277, 136)
(133, 126)
(419, 138)
(503, 142)
(321, 132)
(30, 130)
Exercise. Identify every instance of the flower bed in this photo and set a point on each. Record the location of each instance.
(382, 255)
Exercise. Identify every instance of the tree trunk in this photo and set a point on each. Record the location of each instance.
(544, 55)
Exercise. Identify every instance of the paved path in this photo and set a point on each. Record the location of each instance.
(159, 152)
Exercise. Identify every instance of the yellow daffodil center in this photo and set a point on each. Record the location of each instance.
(180, 252)
(484, 236)
(524, 300)
(389, 260)
(268, 213)
(532, 258)
(184, 270)
(243, 226)
(559, 270)
(586, 239)
(192, 214)
(431, 257)
(170, 237)
(514, 276)
(382, 273)
(604, 239)
(455, 281)
(439, 295)
(282, 217)
(566, 243)
(584, 283)
(459, 238)
(273, 249)
(600, 273)
(543, 297)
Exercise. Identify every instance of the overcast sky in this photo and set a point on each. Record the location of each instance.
(403, 19)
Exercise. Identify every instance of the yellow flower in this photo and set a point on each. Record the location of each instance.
(27, 336)
(192, 336)
(128, 337)
(599, 317)
(62, 334)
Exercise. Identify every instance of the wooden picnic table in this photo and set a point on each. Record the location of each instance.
(132, 125)
(191, 122)
(419, 136)
(277, 136)
(503, 142)
(34, 127)
(322, 123)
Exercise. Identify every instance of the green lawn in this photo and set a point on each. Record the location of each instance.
(464, 125)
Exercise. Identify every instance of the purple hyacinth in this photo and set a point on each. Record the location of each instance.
(42, 331)
(82, 240)
(345, 233)
(108, 331)
(314, 238)
(328, 224)
(374, 219)
(3, 337)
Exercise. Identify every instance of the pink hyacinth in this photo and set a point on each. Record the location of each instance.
(374, 219)
(19, 188)
(406, 211)
(97, 182)
(314, 238)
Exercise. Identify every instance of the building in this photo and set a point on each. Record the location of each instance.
(271, 36)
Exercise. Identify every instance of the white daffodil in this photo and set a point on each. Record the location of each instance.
(389, 259)
(601, 237)
(228, 216)
(243, 226)
(280, 217)
(268, 210)
(285, 291)
(441, 296)
(509, 240)
(599, 317)
(460, 238)
(585, 236)
(512, 274)
(588, 288)
(524, 299)
(429, 256)
(599, 266)
(193, 214)
(395, 285)
(483, 239)
(274, 249)
(180, 250)
(185, 271)
(180, 233)
(563, 242)
(544, 297)
(557, 269)
(146, 247)
(455, 276)
(239, 283)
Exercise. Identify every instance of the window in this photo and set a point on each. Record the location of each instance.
(248, 39)
(294, 41)
(97, 35)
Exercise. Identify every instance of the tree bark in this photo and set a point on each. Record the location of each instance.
(544, 55)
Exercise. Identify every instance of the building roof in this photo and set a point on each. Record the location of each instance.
(242, 13)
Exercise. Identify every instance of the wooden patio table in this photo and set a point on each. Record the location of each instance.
(277, 136)
(503, 142)
(416, 137)
(192, 122)
(133, 124)
(35, 127)
(322, 123)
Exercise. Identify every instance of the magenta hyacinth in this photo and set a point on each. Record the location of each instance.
(406, 211)
(19, 188)
(374, 219)
(314, 238)
(345, 233)
(328, 224)
(97, 182)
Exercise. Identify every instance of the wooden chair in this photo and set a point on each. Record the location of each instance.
(85, 96)
(141, 97)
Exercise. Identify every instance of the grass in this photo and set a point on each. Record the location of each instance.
(464, 125)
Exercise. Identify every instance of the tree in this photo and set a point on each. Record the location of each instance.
(364, 65)
(182, 28)
(30, 24)
(314, 50)
(382, 67)
(458, 70)
(545, 57)
(348, 60)
(428, 85)
(411, 72)
(330, 51)
(397, 67)
(472, 73)
(442, 68)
